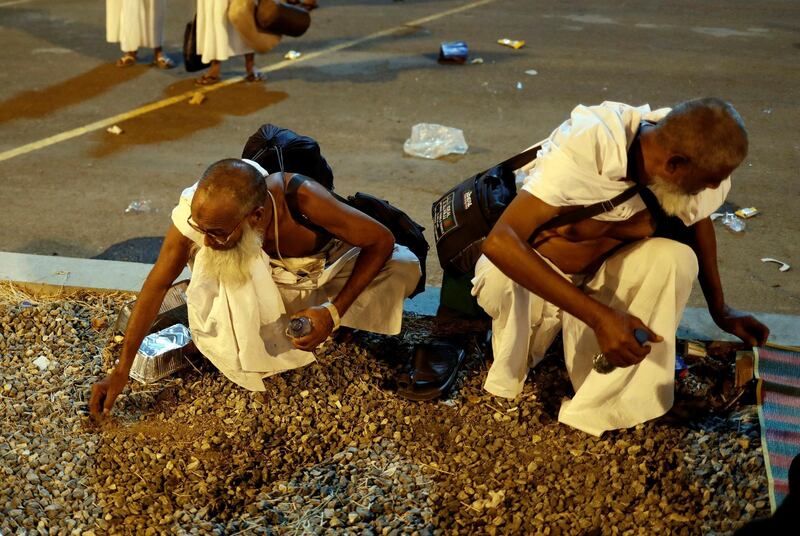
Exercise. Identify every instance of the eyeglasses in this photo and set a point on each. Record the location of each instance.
(216, 238)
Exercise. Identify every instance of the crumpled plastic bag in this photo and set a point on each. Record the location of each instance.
(139, 206)
(732, 222)
(429, 140)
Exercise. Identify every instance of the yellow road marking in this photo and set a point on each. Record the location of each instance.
(109, 121)
(13, 3)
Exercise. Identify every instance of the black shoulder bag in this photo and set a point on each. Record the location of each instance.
(463, 217)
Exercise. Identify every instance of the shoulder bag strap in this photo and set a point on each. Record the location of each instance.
(519, 160)
(290, 194)
(586, 212)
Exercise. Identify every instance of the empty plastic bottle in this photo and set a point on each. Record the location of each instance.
(601, 364)
(299, 327)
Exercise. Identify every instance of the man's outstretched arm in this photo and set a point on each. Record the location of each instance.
(744, 326)
(353, 227)
(172, 258)
(507, 247)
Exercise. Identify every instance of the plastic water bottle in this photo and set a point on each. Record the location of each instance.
(299, 327)
(601, 365)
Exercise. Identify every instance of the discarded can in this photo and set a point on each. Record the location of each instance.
(161, 354)
(748, 212)
(453, 52)
(299, 327)
(601, 364)
(511, 43)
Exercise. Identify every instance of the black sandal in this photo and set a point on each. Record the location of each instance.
(434, 369)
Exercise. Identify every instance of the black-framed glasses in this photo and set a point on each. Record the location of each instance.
(218, 239)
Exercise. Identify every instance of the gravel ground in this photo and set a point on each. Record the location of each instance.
(329, 449)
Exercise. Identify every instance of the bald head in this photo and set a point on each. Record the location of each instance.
(234, 183)
(709, 132)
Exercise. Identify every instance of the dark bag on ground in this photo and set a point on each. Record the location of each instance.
(191, 60)
(463, 217)
(280, 149)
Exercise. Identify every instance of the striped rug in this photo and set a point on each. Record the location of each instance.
(778, 373)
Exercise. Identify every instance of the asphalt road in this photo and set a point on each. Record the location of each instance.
(65, 182)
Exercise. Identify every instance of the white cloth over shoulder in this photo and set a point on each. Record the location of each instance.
(240, 330)
(217, 39)
(135, 23)
(585, 161)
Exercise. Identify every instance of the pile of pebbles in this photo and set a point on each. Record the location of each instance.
(329, 449)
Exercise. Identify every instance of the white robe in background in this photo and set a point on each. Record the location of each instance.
(242, 330)
(217, 39)
(135, 23)
(584, 161)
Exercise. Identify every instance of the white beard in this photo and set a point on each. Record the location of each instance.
(232, 266)
(670, 196)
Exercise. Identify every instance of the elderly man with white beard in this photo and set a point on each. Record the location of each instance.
(600, 279)
(255, 266)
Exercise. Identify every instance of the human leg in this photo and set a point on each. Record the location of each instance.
(128, 59)
(161, 60)
(522, 323)
(211, 76)
(251, 76)
(117, 16)
(652, 280)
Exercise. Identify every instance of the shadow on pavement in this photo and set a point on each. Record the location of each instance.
(142, 249)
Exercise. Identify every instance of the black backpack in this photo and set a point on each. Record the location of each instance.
(280, 149)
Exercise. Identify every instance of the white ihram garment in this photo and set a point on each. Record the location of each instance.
(650, 279)
(135, 23)
(217, 39)
(584, 161)
(242, 330)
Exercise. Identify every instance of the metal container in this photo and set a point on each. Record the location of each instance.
(161, 354)
(172, 310)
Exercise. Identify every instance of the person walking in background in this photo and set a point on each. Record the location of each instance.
(228, 28)
(135, 24)
(218, 40)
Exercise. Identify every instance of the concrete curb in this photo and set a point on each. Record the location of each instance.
(38, 271)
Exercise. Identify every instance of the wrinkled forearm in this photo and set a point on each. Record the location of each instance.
(369, 263)
(704, 245)
(144, 313)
